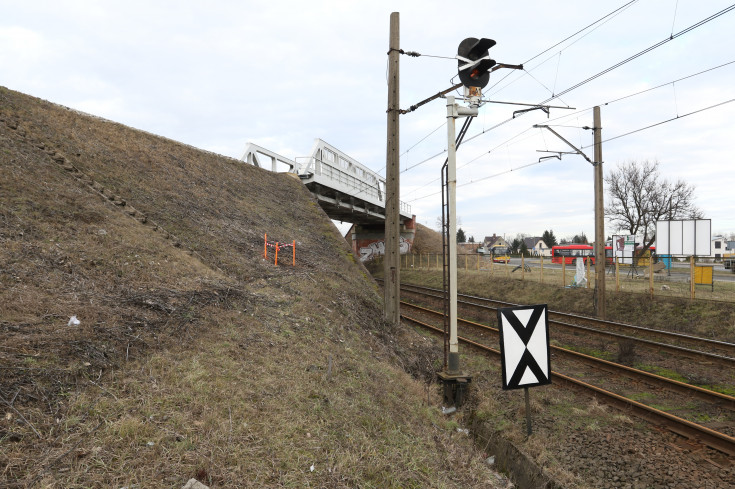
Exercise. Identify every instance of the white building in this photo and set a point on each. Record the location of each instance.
(537, 247)
(719, 246)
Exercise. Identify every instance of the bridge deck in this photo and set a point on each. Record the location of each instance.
(347, 190)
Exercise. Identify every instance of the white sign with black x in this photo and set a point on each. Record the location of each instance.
(524, 346)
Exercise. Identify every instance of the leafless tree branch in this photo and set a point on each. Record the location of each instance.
(638, 197)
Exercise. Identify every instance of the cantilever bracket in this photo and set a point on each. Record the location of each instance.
(576, 150)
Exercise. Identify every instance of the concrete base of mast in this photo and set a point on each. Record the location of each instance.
(456, 387)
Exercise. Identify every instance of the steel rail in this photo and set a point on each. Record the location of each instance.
(616, 368)
(711, 438)
(705, 342)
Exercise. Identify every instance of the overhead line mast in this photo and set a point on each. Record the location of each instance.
(391, 264)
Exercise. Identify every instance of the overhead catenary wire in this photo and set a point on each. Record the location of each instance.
(641, 53)
(609, 16)
(615, 66)
(504, 143)
(664, 122)
(471, 182)
(593, 77)
(601, 19)
(481, 179)
(673, 21)
(617, 100)
(417, 143)
(599, 74)
(614, 12)
(640, 92)
(576, 114)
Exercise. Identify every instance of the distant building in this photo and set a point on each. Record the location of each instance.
(494, 242)
(537, 247)
(719, 245)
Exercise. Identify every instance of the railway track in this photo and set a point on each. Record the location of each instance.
(714, 354)
(711, 438)
(721, 400)
(693, 347)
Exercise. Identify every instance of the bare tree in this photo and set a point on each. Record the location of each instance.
(639, 196)
(438, 224)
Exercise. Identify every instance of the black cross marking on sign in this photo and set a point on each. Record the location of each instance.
(527, 361)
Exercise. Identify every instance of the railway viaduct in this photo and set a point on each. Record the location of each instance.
(347, 191)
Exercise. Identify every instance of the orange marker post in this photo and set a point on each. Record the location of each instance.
(276, 262)
(294, 253)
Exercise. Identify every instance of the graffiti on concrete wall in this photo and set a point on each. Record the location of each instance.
(376, 248)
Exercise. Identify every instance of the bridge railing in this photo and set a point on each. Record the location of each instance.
(344, 179)
(343, 173)
(253, 153)
(405, 209)
(330, 167)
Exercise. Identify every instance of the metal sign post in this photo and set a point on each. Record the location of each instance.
(529, 431)
(524, 350)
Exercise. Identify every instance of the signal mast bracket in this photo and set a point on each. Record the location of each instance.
(544, 108)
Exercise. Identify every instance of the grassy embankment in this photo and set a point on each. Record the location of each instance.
(194, 357)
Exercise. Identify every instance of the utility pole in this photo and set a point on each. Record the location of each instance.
(391, 268)
(599, 218)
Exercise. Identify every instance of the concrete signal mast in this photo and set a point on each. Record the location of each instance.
(474, 63)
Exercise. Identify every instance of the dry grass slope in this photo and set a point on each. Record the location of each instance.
(427, 240)
(194, 357)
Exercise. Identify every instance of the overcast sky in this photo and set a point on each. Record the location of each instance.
(220, 74)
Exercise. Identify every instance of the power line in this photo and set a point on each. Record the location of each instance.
(617, 10)
(603, 72)
(502, 173)
(424, 138)
(504, 143)
(416, 144)
(585, 147)
(641, 53)
(415, 54)
(613, 13)
(423, 161)
(478, 157)
(482, 179)
(664, 122)
(672, 81)
(577, 113)
(615, 66)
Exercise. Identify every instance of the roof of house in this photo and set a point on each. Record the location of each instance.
(532, 242)
(491, 240)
